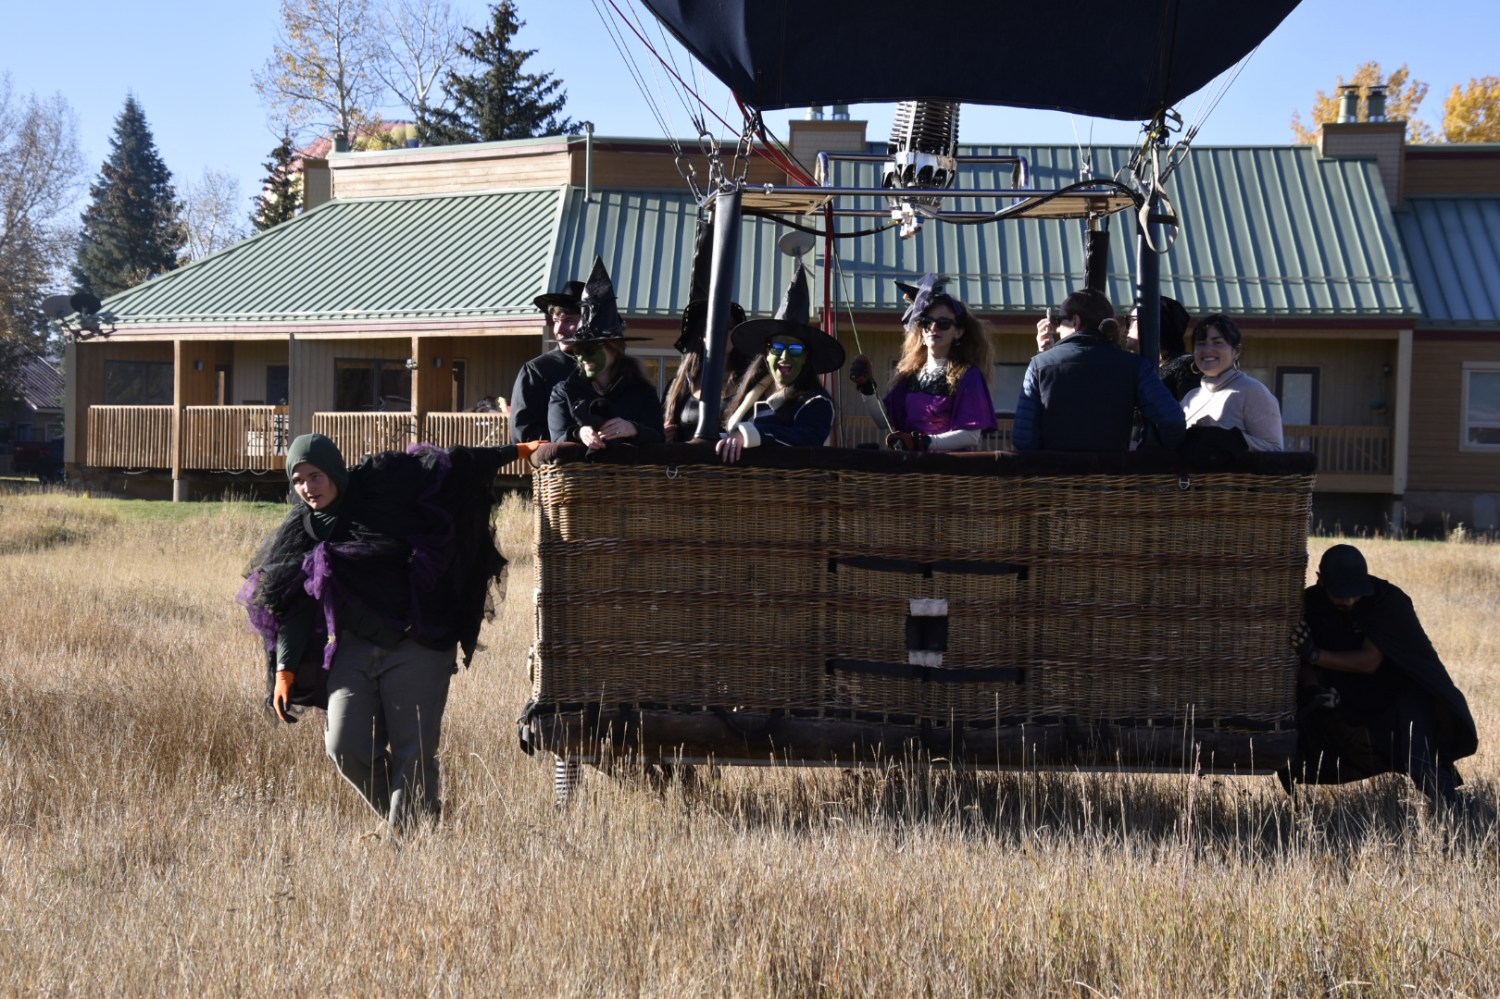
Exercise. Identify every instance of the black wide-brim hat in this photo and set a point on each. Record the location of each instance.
(566, 299)
(824, 353)
(695, 324)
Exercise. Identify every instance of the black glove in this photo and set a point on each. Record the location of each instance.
(1302, 642)
(903, 441)
(862, 374)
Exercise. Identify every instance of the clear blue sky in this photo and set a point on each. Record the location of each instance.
(189, 65)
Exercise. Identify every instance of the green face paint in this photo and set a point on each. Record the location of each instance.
(592, 359)
(787, 356)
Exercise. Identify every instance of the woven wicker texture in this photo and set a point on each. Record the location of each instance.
(1131, 598)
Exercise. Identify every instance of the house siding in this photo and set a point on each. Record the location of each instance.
(1437, 462)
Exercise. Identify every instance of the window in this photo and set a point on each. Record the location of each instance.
(364, 385)
(278, 384)
(1005, 388)
(1297, 391)
(137, 383)
(659, 367)
(1481, 407)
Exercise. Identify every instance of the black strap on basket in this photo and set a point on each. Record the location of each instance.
(928, 674)
(955, 567)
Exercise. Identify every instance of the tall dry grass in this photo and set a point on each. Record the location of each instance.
(158, 836)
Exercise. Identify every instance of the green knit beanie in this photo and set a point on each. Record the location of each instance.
(315, 449)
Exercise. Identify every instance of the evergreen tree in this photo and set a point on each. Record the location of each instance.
(132, 228)
(497, 100)
(281, 195)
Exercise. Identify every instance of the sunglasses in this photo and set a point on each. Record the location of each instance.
(945, 324)
(788, 349)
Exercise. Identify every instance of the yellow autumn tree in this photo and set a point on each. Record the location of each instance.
(1403, 97)
(1472, 113)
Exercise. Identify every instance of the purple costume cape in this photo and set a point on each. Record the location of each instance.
(968, 407)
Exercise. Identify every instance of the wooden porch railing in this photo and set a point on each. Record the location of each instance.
(1344, 450)
(468, 429)
(255, 437)
(359, 434)
(130, 437)
(472, 430)
(235, 438)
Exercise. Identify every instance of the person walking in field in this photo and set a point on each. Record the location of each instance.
(1374, 697)
(365, 596)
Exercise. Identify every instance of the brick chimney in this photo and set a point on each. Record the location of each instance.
(809, 137)
(1383, 141)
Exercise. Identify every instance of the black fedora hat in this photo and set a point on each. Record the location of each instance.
(824, 353)
(1343, 574)
(565, 299)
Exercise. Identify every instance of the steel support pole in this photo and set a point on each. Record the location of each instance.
(721, 285)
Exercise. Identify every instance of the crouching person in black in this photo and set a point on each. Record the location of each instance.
(1373, 695)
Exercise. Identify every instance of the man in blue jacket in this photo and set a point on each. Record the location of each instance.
(1082, 395)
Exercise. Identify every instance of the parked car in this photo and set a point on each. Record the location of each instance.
(44, 459)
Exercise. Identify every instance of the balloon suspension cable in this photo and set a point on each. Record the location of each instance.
(838, 268)
(697, 109)
(1147, 175)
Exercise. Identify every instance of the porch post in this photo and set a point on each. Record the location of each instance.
(174, 440)
(1401, 432)
(726, 209)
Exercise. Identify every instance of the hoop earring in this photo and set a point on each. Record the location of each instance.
(1195, 369)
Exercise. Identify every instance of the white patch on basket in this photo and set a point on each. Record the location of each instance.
(929, 606)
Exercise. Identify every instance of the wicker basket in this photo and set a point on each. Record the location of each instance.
(826, 604)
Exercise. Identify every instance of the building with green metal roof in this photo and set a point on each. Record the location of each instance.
(390, 310)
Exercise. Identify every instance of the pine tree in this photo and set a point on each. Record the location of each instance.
(132, 228)
(498, 100)
(281, 195)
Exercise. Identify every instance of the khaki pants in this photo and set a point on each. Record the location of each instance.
(385, 717)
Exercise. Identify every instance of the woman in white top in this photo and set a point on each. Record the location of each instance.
(1228, 397)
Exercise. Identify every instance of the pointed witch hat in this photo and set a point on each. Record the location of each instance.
(927, 293)
(565, 299)
(598, 310)
(695, 315)
(824, 353)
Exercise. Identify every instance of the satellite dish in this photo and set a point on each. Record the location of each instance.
(84, 302)
(796, 243)
(57, 306)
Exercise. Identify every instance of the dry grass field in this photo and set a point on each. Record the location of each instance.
(158, 836)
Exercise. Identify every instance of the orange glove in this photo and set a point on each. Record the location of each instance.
(525, 449)
(282, 699)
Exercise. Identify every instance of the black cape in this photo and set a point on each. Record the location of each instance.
(1387, 618)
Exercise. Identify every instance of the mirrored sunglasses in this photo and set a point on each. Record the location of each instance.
(789, 349)
(945, 324)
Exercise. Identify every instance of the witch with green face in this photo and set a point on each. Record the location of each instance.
(606, 400)
(799, 413)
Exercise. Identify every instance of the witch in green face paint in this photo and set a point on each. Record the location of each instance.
(799, 412)
(606, 400)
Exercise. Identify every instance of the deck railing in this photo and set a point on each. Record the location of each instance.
(235, 438)
(130, 437)
(1344, 450)
(359, 434)
(472, 430)
(254, 438)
